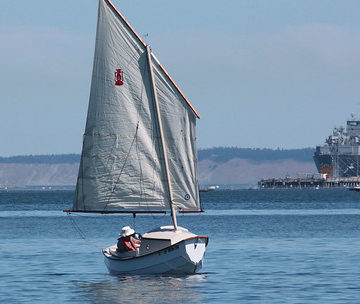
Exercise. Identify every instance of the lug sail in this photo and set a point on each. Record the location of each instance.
(179, 124)
(122, 161)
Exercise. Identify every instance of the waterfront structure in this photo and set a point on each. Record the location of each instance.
(340, 156)
(309, 182)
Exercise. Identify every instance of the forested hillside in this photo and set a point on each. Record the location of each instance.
(216, 166)
(218, 154)
(42, 159)
(223, 154)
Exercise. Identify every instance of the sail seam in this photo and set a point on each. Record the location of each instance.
(118, 178)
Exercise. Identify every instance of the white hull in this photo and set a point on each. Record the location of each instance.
(180, 257)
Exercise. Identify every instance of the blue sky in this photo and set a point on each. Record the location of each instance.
(260, 73)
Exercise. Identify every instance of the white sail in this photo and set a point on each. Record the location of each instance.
(122, 162)
(179, 122)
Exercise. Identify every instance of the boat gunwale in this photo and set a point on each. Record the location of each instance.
(111, 257)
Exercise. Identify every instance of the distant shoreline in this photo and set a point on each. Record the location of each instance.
(216, 166)
(217, 154)
(37, 188)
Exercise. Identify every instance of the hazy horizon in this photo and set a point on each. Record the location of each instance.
(199, 149)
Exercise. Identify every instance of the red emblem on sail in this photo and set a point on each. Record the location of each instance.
(119, 77)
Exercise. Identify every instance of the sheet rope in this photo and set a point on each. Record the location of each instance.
(80, 232)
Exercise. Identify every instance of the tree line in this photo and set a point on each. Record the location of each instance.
(218, 154)
(42, 159)
(224, 154)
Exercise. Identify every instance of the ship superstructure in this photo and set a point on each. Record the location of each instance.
(340, 156)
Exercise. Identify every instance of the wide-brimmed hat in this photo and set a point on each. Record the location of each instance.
(126, 231)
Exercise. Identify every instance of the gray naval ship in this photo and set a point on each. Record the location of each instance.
(340, 156)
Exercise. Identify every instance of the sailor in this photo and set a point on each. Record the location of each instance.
(129, 241)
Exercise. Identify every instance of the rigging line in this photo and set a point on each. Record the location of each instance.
(126, 158)
(134, 221)
(76, 227)
(200, 201)
(81, 233)
(141, 172)
(114, 158)
(128, 63)
(81, 175)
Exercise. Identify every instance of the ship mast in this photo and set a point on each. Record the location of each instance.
(163, 143)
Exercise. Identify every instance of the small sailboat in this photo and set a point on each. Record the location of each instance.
(139, 152)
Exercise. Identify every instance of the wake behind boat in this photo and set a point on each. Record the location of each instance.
(139, 152)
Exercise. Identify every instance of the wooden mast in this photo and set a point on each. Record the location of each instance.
(163, 143)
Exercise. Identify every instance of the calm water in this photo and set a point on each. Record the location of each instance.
(269, 246)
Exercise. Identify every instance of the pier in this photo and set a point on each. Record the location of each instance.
(309, 182)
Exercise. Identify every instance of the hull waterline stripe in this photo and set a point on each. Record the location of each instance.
(133, 212)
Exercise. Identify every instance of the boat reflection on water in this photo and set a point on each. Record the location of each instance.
(144, 289)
